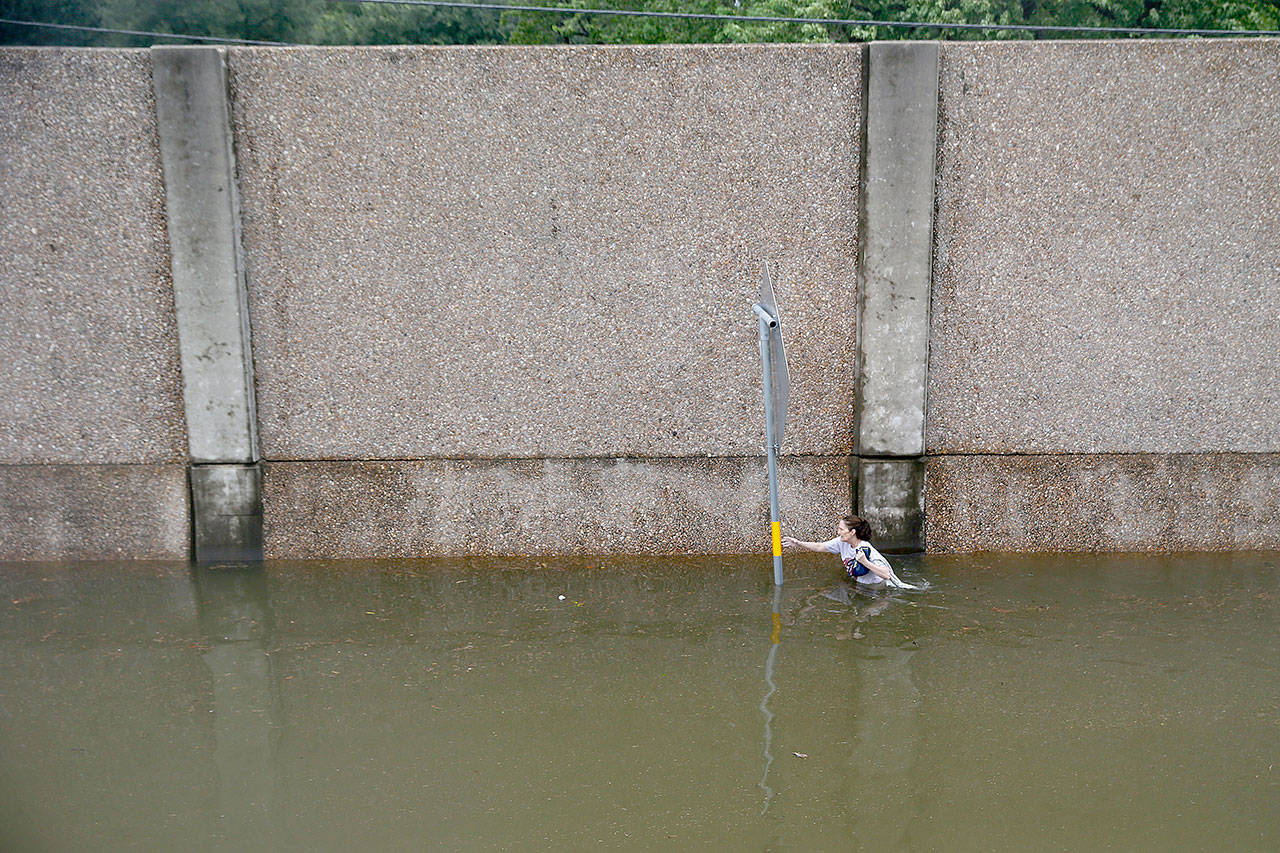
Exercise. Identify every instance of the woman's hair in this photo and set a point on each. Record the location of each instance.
(859, 526)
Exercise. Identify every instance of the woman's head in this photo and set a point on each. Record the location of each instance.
(856, 526)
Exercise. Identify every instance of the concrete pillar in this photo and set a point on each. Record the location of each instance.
(210, 298)
(895, 272)
(891, 491)
(228, 520)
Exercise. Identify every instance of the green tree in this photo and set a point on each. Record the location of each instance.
(1188, 14)
(556, 28)
(80, 12)
(351, 23)
(325, 22)
(734, 31)
(264, 20)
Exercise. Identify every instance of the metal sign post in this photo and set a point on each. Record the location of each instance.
(777, 387)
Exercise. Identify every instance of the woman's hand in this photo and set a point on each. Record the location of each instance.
(796, 543)
(877, 570)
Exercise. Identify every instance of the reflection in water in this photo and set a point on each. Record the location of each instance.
(235, 618)
(885, 725)
(775, 640)
(881, 710)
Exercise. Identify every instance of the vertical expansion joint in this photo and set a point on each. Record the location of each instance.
(895, 276)
(864, 91)
(210, 295)
(203, 223)
(891, 494)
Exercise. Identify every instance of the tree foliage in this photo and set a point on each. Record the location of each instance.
(552, 28)
(79, 12)
(349, 23)
(325, 22)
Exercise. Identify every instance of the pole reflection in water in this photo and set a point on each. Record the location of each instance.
(775, 640)
(235, 619)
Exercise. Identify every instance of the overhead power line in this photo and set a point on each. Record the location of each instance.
(636, 13)
(218, 39)
(771, 19)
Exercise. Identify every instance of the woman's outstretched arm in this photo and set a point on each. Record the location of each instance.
(820, 547)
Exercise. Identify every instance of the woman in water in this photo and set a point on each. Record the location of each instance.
(862, 562)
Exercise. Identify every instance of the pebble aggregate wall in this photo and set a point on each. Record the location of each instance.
(1104, 502)
(1106, 281)
(505, 292)
(540, 252)
(1107, 273)
(92, 432)
(546, 255)
(94, 512)
(540, 506)
(87, 334)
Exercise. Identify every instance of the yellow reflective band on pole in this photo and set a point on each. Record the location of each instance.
(777, 539)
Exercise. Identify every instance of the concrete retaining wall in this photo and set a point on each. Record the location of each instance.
(94, 512)
(504, 253)
(499, 299)
(1106, 281)
(544, 254)
(539, 506)
(1104, 502)
(87, 334)
(1107, 273)
(92, 432)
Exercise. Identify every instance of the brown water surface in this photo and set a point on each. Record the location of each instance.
(1020, 703)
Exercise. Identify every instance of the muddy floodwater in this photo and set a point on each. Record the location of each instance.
(1020, 703)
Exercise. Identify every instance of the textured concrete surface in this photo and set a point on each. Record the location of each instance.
(203, 225)
(226, 509)
(890, 495)
(570, 506)
(1107, 270)
(506, 253)
(545, 252)
(897, 247)
(87, 332)
(94, 512)
(1115, 502)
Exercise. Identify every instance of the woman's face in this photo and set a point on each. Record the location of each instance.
(845, 534)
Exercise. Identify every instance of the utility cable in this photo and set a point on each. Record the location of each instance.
(770, 19)
(77, 27)
(702, 16)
